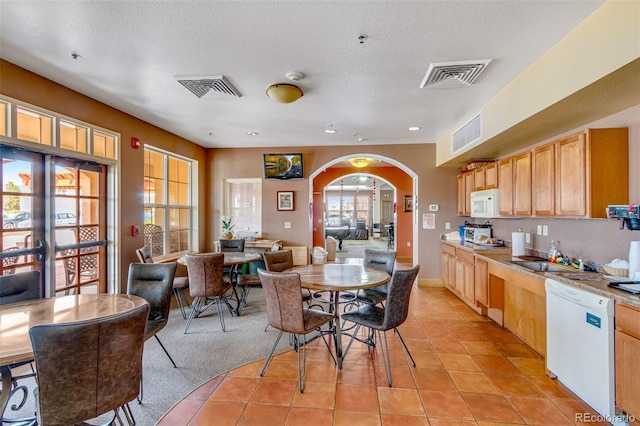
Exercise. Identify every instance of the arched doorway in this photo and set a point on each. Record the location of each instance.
(358, 213)
(397, 174)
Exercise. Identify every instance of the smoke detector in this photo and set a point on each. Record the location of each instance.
(295, 76)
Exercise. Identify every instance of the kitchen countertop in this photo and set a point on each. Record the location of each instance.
(594, 282)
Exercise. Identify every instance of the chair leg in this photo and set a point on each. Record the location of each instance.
(181, 298)
(302, 359)
(195, 309)
(405, 346)
(165, 350)
(220, 313)
(386, 360)
(273, 348)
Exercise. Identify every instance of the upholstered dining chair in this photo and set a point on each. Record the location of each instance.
(231, 246)
(88, 368)
(180, 284)
(379, 320)
(287, 314)
(154, 283)
(207, 285)
(379, 259)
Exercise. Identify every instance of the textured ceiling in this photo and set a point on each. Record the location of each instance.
(131, 54)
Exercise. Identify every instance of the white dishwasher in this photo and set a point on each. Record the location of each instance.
(580, 346)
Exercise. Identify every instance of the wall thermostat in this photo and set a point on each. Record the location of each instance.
(433, 207)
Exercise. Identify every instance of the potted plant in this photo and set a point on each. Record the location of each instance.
(227, 227)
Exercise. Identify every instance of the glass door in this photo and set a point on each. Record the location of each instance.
(21, 179)
(77, 219)
(54, 221)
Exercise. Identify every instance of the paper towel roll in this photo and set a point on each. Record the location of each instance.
(634, 259)
(517, 244)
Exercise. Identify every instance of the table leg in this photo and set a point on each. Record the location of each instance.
(338, 337)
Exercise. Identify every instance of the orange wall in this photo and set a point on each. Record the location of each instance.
(393, 175)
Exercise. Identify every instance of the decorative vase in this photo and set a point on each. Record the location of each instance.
(227, 236)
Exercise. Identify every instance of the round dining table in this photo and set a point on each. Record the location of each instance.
(337, 277)
(17, 318)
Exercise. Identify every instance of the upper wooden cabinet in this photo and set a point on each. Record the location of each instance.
(543, 180)
(486, 177)
(465, 187)
(522, 184)
(592, 172)
(505, 176)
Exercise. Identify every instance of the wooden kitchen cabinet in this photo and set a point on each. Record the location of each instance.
(522, 184)
(505, 177)
(482, 282)
(486, 177)
(465, 187)
(448, 265)
(465, 275)
(592, 172)
(543, 180)
(627, 341)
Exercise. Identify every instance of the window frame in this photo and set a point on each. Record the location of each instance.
(166, 207)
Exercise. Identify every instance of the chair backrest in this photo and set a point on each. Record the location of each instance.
(154, 283)
(206, 274)
(154, 238)
(231, 246)
(144, 255)
(98, 364)
(397, 305)
(361, 224)
(8, 263)
(284, 300)
(379, 259)
(278, 261)
(20, 287)
(276, 247)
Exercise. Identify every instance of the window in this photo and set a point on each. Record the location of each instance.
(243, 203)
(168, 210)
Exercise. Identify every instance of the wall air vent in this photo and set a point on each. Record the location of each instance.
(467, 134)
(200, 86)
(453, 74)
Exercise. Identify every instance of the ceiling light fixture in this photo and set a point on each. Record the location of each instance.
(360, 162)
(285, 93)
(252, 133)
(415, 128)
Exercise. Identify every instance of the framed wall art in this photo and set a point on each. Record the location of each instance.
(408, 203)
(283, 166)
(285, 200)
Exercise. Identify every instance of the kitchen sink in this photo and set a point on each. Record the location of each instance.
(542, 266)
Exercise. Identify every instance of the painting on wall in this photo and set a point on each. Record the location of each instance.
(283, 166)
(285, 200)
(408, 203)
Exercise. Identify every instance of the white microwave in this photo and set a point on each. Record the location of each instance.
(485, 204)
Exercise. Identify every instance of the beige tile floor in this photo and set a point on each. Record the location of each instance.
(469, 371)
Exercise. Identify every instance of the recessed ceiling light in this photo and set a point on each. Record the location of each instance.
(361, 139)
(415, 128)
(330, 130)
(252, 133)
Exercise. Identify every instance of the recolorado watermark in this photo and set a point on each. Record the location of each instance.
(599, 418)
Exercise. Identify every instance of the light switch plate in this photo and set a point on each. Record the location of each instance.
(447, 225)
(545, 230)
(433, 207)
(539, 230)
(287, 225)
(527, 238)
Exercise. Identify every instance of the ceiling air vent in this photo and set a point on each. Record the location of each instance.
(453, 74)
(467, 134)
(200, 86)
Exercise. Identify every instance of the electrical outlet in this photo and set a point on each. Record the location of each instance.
(527, 238)
(287, 225)
(447, 225)
(408, 243)
(545, 230)
(539, 230)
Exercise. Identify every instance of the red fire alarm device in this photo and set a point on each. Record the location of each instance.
(135, 230)
(135, 143)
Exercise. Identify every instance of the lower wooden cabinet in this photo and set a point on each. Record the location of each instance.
(627, 340)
